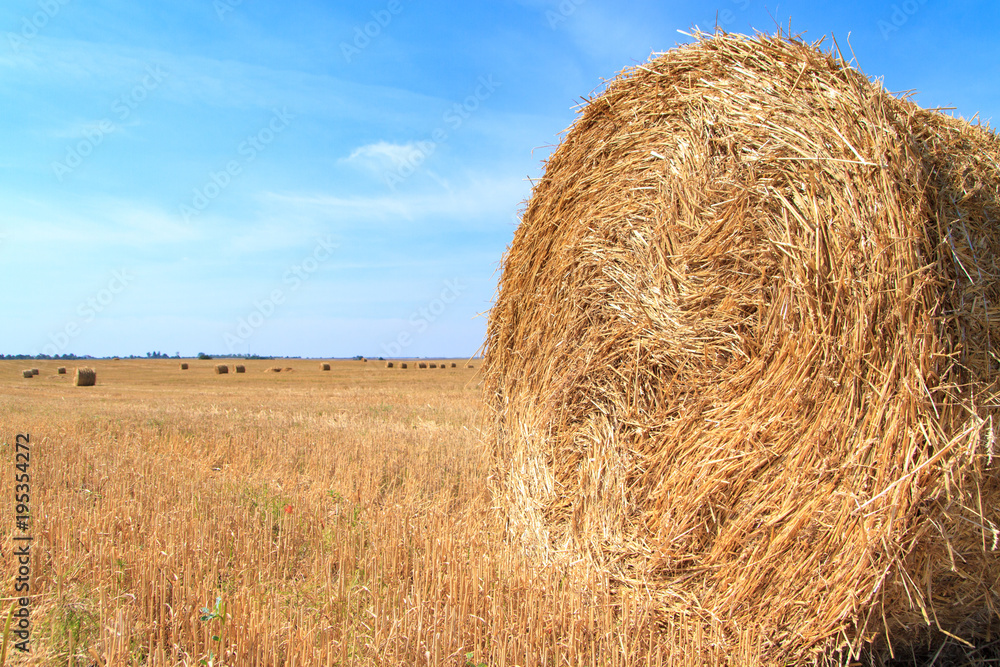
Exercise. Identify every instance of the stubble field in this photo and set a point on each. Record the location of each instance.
(294, 518)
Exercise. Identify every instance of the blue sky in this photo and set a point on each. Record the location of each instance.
(323, 179)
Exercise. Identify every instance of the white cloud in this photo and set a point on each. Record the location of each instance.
(383, 154)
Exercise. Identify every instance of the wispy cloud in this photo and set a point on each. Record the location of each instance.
(381, 154)
(475, 204)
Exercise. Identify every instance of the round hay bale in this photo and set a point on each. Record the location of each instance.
(469, 366)
(324, 367)
(288, 369)
(434, 365)
(221, 369)
(184, 367)
(454, 365)
(364, 359)
(35, 371)
(741, 355)
(388, 364)
(27, 374)
(61, 370)
(85, 377)
(241, 368)
(422, 364)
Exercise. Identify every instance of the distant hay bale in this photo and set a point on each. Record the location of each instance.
(741, 356)
(34, 371)
(184, 367)
(241, 368)
(115, 359)
(402, 365)
(469, 366)
(422, 365)
(288, 369)
(324, 367)
(364, 359)
(85, 377)
(221, 369)
(434, 365)
(388, 364)
(27, 374)
(61, 370)
(454, 365)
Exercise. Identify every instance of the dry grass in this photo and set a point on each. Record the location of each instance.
(742, 356)
(340, 518)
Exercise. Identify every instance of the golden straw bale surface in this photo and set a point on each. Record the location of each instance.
(85, 377)
(741, 354)
(221, 369)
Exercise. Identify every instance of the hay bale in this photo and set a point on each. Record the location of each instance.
(388, 364)
(364, 359)
(241, 368)
(422, 365)
(402, 365)
(434, 365)
(454, 365)
(85, 377)
(469, 366)
(324, 367)
(61, 370)
(221, 369)
(27, 374)
(184, 367)
(755, 291)
(288, 369)
(34, 371)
